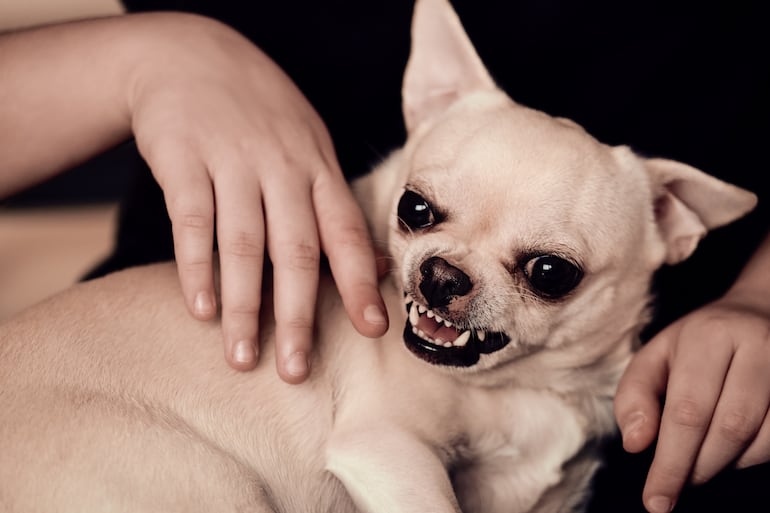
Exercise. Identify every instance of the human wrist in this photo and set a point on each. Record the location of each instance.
(752, 288)
(163, 44)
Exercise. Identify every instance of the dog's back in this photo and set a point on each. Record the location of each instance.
(114, 399)
(112, 394)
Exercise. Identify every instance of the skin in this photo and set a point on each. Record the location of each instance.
(712, 367)
(225, 132)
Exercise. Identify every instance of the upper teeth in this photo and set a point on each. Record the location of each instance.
(415, 310)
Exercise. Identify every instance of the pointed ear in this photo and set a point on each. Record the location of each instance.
(690, 202)
(442, 66)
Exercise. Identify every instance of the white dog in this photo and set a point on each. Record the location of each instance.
(523, 249)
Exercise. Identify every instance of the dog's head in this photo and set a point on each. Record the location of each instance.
(513, 231)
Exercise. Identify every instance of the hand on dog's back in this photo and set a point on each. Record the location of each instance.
(223, 129)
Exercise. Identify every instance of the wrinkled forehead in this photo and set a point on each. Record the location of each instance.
(532, 171)
(511, 141)
(520, 149)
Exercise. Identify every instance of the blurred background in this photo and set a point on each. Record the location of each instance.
(54, 233)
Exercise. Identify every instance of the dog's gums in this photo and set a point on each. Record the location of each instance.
(439, 342)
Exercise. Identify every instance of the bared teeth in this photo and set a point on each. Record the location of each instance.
(414, 316)
(416, 310)
(462, 339)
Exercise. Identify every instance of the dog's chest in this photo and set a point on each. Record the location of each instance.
(515, 448)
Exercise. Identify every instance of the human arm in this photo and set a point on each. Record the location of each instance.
(713, 366)
(232, 142)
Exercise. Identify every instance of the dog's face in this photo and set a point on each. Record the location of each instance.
(513, 231)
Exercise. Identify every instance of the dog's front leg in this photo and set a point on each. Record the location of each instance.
(386, 470)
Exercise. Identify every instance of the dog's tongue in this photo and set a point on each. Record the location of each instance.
(436, 330)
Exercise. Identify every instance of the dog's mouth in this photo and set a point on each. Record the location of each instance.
(440, 342)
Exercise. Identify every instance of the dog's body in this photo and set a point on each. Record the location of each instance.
(532, 243)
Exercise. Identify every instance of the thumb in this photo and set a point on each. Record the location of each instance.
(637, 400)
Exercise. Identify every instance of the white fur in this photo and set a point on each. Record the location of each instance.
(113, 399)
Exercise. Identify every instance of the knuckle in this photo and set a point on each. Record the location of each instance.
(288, 159)
(194, 220)
(688, 413)
(193, 265)
(188, 214)
(243, 308)
(280, 155)
(716, 325)
(353, 236)
(298, 323)
(242, 244)
(297, 330)
(300, 257)
(713, 329)
(736, 427)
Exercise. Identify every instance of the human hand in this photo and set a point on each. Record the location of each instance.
(233, 143)
(713, 366)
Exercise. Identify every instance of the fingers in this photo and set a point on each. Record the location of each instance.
(695, 383)
(293, 243)
(759, 450)
(347, 244)
(637, 400)
(260, 144)
(190, 204)
(738, 416)
(241, 240)
(716, 399)
(294, 249)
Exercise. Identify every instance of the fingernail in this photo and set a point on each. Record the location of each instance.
(297, 364)
(373, 315)
(660, 504)
(204, 304)
(632, 424)
(243, 352)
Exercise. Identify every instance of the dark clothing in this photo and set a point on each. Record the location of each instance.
(684, 80)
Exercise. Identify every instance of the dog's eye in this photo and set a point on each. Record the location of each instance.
(414, 212)
(551, 276)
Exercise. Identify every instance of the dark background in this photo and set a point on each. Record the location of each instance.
(684, 80)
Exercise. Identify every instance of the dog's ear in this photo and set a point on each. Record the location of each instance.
(442, 66)
(690, 202)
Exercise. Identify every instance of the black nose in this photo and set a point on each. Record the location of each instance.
(442, 281)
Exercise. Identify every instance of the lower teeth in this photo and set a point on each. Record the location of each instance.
(459, 342)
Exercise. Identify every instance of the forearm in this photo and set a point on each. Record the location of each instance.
(753, 284)
(62, 98)
(66, 90)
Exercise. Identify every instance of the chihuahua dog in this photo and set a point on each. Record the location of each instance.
(523, 252)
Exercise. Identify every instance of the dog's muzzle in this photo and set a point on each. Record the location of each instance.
(440, 342)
